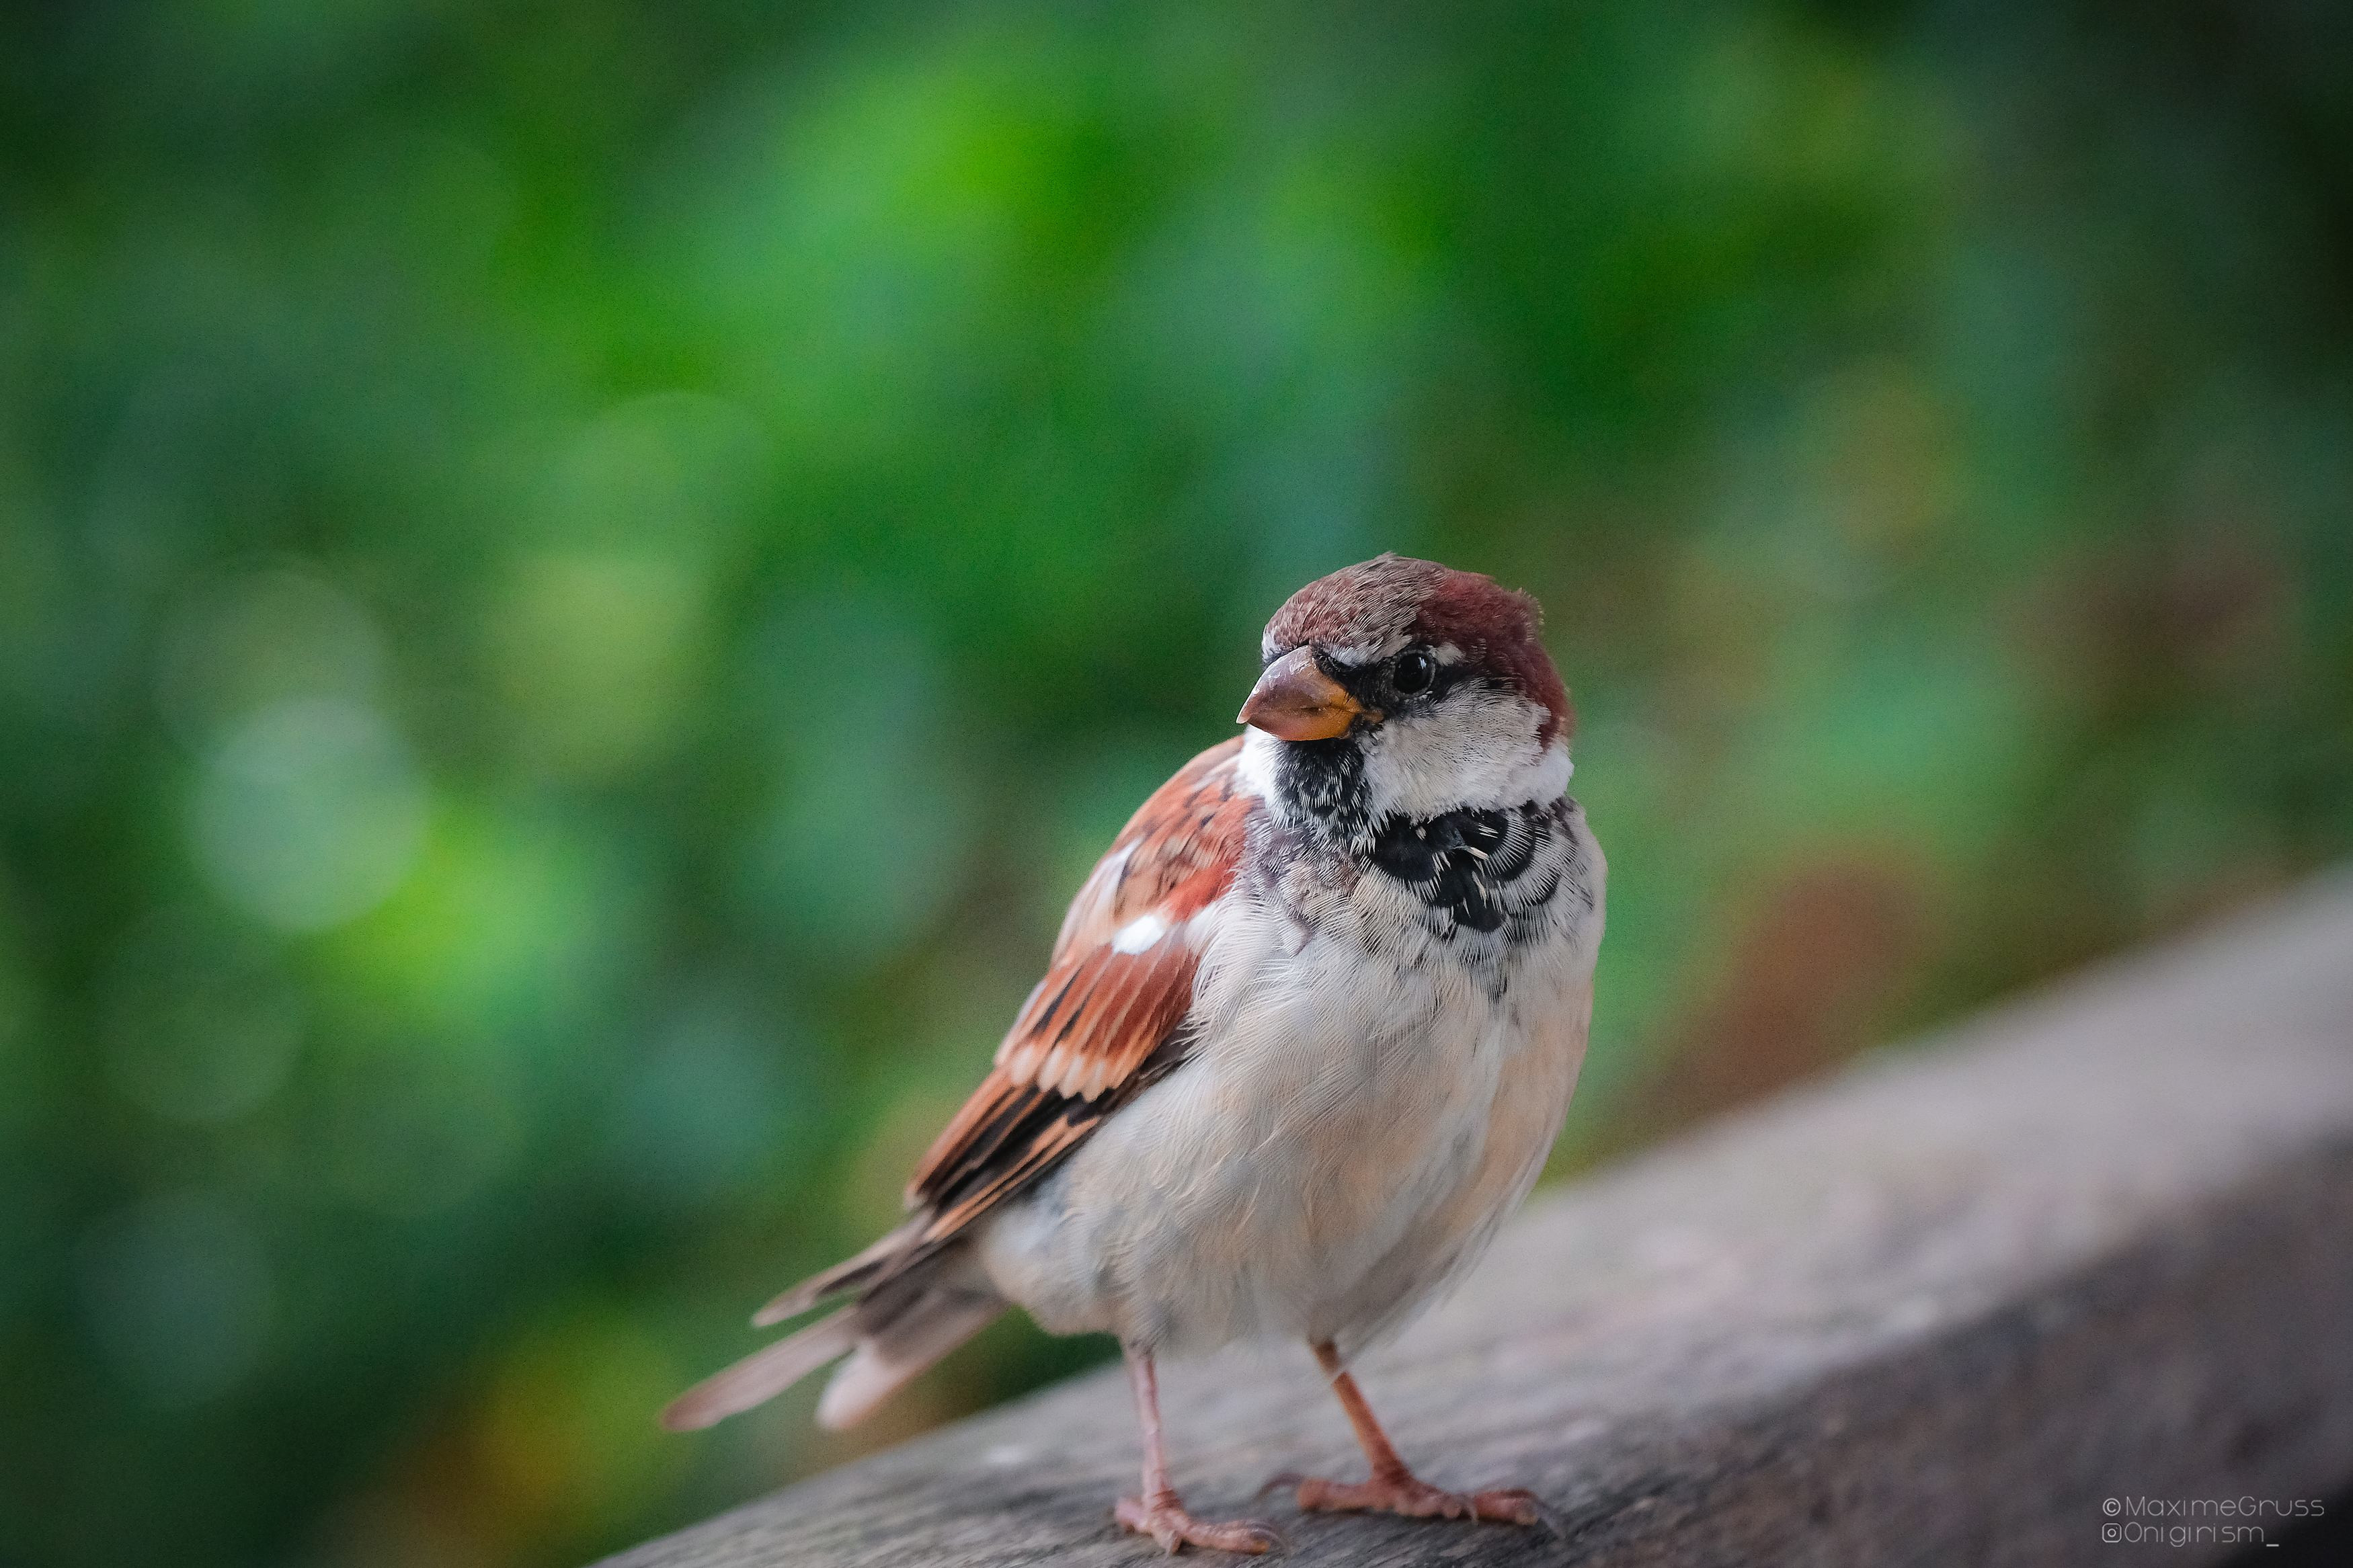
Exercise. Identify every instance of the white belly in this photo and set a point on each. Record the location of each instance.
(1344, 1139)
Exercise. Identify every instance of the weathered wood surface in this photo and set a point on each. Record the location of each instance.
(2097, 1243)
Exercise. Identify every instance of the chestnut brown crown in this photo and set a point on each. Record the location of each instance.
(1390, 601)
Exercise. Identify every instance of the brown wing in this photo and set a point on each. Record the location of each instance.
(1105, 1020)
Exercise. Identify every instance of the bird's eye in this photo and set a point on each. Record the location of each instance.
(1414, 672)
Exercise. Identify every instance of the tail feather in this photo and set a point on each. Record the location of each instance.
(912, 1308)
(763, 1374)
(846, 1275)
(921, 1336)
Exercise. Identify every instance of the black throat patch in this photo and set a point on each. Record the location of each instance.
(1475, 868)
(1467, 866)
(1323, 782)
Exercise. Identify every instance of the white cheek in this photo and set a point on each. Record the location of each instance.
(1480, 751)
(1255, 768)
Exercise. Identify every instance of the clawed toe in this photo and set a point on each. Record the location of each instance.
(1165, 1519)
(1277, 1482)
(1415, 1498)
(1510, 1506)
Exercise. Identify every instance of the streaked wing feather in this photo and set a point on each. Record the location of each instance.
(1101, 1025)
(1102, 1022)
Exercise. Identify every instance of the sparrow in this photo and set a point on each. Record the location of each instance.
(1305, 1039)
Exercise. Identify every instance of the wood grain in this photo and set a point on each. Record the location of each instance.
(2097, 1243)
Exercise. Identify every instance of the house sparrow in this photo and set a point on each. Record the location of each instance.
(1305, 1039)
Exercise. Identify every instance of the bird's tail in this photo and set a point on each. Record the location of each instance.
(910, 1312)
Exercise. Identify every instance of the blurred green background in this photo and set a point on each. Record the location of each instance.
(579, 585)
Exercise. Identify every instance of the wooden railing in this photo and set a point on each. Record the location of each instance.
(2077, 1272)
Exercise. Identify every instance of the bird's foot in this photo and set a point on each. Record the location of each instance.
(1162, 1517)
(1402, 1492)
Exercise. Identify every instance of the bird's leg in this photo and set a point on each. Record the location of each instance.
(1158, 1512)
(1393, 1488)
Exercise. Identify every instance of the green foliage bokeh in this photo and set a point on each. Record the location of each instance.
(579, 585)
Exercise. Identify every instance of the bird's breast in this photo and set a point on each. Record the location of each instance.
(1362, 1103)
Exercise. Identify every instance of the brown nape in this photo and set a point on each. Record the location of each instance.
(1392, 595)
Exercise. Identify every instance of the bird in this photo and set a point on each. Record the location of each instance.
(1305, 1039)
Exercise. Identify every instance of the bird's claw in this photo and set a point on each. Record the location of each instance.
(1165, 1519)
(1412, 1498)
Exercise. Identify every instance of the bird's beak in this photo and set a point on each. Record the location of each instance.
(1295, 701)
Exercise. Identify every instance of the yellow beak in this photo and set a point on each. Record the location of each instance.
(1295, 701)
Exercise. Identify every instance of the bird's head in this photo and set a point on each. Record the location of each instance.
(1429, 685)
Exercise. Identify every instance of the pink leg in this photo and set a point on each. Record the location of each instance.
(1393, 1488)
(1158, 1512)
